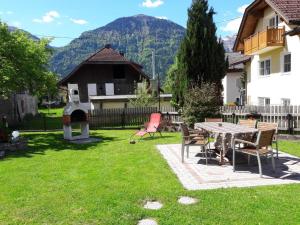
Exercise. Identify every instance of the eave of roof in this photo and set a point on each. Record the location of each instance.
(241, 60)
(122, 97)
(88, 61)
(251, 7)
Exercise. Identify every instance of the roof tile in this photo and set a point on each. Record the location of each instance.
(290, 9)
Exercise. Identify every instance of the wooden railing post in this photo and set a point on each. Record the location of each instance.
(290, 123)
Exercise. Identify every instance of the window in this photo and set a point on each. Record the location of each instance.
(264, 101)
(92, 89)
(287, 63)
(109, 89)
(285, 101)
(119, 72)
(274, 21)
(265, 67)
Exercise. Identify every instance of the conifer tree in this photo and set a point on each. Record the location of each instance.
(201, 57)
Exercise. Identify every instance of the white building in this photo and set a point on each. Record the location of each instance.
(232, 84)
(270, 34)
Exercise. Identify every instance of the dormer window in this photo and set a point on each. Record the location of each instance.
(274, 22)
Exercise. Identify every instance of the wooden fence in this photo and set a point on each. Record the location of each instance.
(287, 117)
(127, 117)
(101, 118)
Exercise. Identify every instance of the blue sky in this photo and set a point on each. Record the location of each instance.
(69, 18)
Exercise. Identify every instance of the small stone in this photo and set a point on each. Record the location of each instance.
(147, 222)
(153, 205)
(187, 200)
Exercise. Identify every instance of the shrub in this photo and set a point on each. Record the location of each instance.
(200, 103)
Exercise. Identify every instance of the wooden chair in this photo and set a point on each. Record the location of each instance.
(215, 120)
(260, 148)
(195, 139)
(270, 126)
(248, 123)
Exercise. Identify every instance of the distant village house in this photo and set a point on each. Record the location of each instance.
(107, 80)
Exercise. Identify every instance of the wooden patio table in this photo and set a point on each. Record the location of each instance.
(225, 133)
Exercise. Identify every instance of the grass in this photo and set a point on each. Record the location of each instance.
(49, 119)
(55, 182)
(53, 111)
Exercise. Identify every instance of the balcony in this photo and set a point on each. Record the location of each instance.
(264, 41)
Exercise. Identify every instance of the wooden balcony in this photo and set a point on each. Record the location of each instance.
(266, 40)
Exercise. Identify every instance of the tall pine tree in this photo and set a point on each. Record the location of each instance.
(201, 57)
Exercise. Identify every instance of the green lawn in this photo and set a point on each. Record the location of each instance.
(55, 182)
(48, 119)
(53, 111)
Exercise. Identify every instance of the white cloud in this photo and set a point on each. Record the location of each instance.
(232, 26)
(162, 17)
(48, 17)
(16, 24)
(242, 8)
(152, 3)
(79, 21)
(7, 13)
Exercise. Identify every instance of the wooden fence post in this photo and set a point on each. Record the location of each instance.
(290, 123)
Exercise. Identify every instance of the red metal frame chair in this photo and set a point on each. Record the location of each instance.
(150, 128)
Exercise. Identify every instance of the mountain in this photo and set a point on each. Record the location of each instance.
(228, 43)
(11, 29)
(136, 36)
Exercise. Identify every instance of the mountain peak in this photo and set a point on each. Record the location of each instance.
(141, 15)
(136, 36)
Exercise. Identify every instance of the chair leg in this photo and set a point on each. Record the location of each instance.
(187, 151)
(273, 161)
(277, 149)
(233, 158)
(209, 150)
(182, 153)
(205, 150)
(259, 163)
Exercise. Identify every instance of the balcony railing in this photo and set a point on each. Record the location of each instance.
(271, 37)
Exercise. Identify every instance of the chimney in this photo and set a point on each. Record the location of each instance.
(108, 46)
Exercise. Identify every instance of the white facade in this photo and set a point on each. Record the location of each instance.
(231, 87)
(277, 87)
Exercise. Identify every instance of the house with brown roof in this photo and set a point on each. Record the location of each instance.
(269, 36)
(106, 79)
(233, 91)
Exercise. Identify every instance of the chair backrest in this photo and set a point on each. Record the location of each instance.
(267, 126)
(215, 120)
(154, 123)
(184, 130)
(248, 123)
(265, 138)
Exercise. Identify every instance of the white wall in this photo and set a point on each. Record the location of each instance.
(231, 90)
(277, 85)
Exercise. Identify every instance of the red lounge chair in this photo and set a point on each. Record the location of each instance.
(152, 127)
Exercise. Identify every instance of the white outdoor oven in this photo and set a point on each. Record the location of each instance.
(75, 113)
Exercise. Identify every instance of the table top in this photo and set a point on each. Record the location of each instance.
(224, 128)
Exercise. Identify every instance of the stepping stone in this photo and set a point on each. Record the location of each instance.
(153, 205)
(184, 200)
(147, 222)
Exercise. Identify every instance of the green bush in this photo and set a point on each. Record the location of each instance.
(200, 103)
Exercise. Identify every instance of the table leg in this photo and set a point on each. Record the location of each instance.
(223, 149)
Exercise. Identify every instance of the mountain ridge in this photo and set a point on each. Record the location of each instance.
(136, 36)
